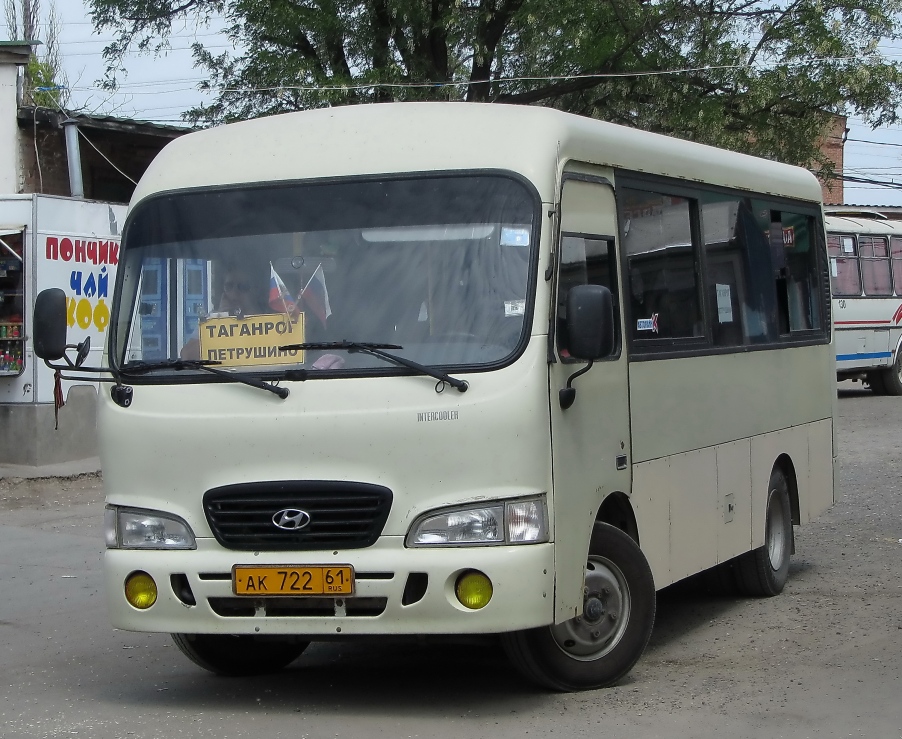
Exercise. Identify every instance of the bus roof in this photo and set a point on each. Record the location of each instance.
(417, 137)
(874, 226)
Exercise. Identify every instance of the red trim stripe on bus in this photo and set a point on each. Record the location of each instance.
(849, 323)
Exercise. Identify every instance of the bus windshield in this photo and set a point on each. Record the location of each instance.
(436, 269)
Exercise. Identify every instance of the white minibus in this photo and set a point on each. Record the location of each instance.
(866, 274)
(445, 368)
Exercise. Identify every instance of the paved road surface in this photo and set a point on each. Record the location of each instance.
(824, 659)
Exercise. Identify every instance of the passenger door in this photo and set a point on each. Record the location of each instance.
(591, 439)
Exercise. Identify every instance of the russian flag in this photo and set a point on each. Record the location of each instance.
(315, 295)
(279, 299)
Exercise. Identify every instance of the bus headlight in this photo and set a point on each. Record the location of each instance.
(522, 521)
(132, 528)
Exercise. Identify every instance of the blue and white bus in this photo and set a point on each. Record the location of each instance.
(866, 279)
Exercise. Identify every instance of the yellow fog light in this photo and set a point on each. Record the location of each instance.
(473, 589)
(140, 590)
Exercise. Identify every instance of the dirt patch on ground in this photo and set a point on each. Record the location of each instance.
(50, 492)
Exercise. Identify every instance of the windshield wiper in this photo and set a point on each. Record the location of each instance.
(376, 351)
(140, 367)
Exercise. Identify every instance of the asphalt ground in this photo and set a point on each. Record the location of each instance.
(823, 659)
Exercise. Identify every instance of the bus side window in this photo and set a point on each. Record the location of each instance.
(896, 255)
(844, 265)
(585, 260)
(800, 250)
(663, 266)
(875, 265)
(726, 256)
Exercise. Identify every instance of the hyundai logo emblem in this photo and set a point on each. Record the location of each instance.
(290, 519)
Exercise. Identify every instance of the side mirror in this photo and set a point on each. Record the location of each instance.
(50, 324)
(590, 322)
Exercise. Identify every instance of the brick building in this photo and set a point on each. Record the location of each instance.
(832, 146)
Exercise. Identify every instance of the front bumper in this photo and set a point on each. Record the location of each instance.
(522, 577)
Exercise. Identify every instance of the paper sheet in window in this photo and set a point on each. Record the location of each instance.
(724, 304)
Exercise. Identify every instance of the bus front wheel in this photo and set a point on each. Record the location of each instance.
(237, 655)
(599, 647)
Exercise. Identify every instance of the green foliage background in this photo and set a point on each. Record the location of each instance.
(750, 75)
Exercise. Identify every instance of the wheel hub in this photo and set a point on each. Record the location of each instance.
(606, 609)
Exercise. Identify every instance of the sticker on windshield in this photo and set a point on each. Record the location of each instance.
(648, 324)
(514, 308)
(514, 237)
(251, 340)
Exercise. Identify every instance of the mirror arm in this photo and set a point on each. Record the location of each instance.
(86, 370)
(567, 395)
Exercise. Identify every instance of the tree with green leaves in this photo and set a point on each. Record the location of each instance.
(45, 80)
(762, 76)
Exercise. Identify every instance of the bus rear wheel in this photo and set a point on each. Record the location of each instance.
(892, 377)
(238, 655)
(598, 648)
(763, 571)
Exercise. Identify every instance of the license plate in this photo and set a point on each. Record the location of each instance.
(293, 581)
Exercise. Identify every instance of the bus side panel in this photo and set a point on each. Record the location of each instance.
(704, 507)
(694, 509)
(821, 493)
(681, 404)
(766, 449)
(734, 499)
(651, 501)
(693, 512)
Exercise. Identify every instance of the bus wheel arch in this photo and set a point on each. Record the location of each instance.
(892, 376)
(599, 647)
(617, 511)
(785, 465)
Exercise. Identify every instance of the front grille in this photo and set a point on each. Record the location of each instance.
(298, 607)
(342, 515)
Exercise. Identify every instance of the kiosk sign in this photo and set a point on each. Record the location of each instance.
(251, 340)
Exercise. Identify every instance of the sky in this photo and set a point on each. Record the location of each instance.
(160, 89)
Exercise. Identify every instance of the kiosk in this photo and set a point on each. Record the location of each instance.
(72, 244)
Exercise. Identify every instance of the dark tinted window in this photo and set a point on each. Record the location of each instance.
(710, 268)
(662, 266)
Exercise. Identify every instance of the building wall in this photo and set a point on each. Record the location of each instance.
(30, 435)
(45, 168)
(9, 155)
(832, 147)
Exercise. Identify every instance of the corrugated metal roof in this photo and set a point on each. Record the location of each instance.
(55, 118)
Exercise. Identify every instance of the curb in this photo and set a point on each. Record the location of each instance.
(90, 466)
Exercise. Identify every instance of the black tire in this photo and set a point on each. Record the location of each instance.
(763, 571)
(892, 377)
(600, 647)
(237, 655)
(875, 382)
